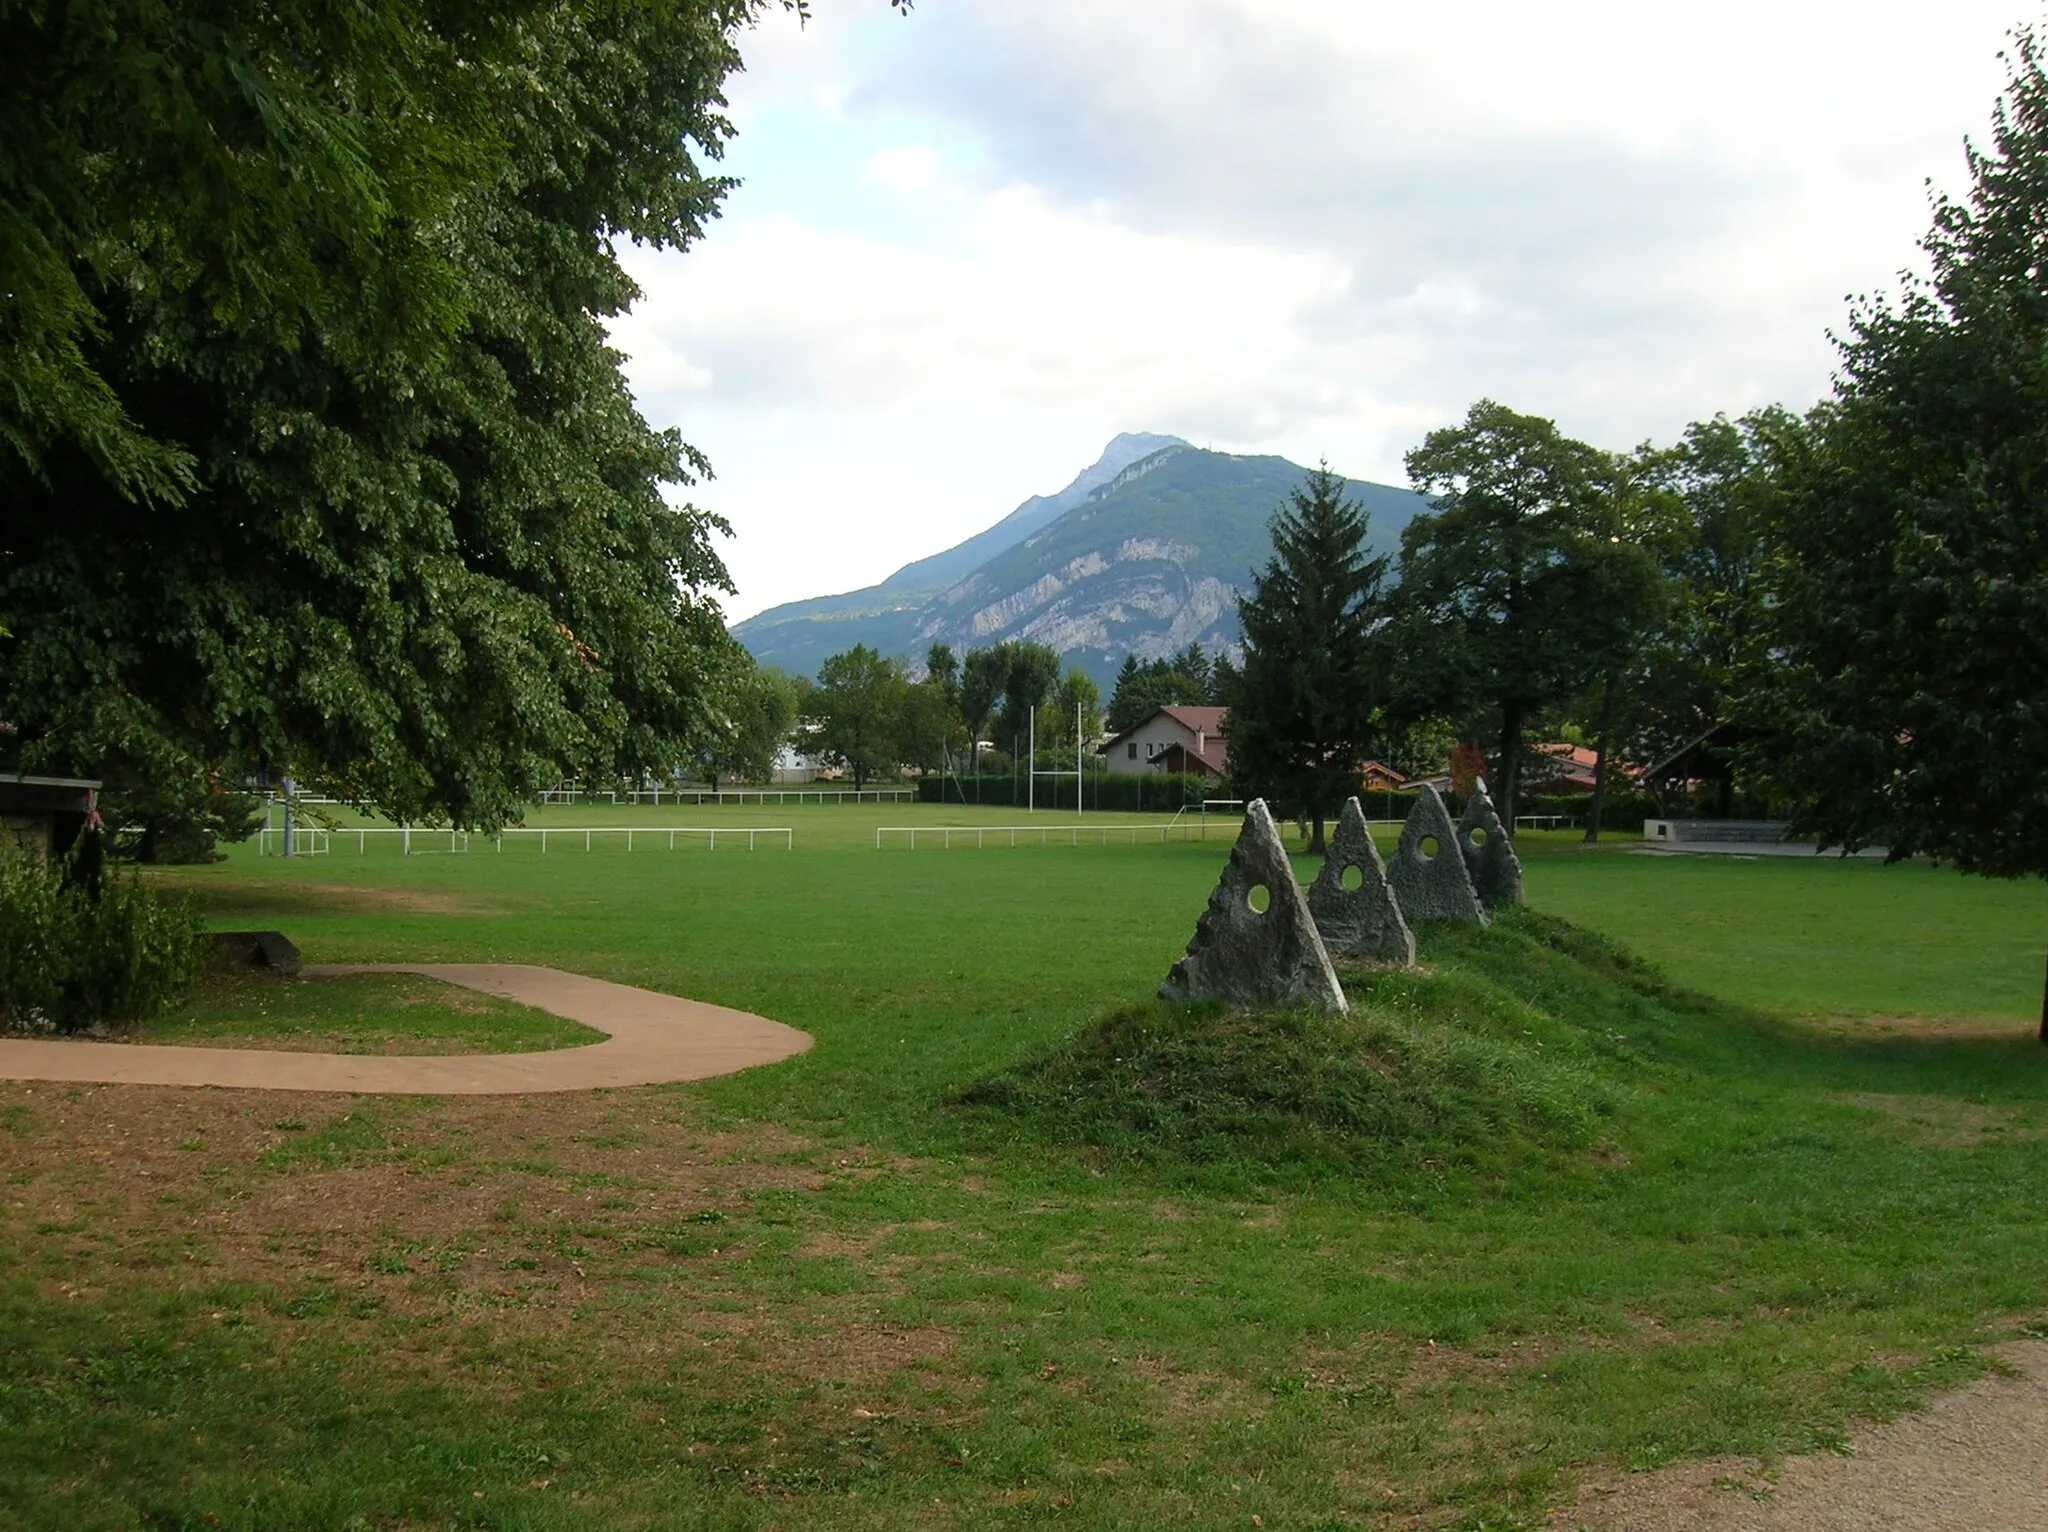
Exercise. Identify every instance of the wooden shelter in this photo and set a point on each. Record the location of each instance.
(45, 815)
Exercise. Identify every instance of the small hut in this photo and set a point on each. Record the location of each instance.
(45, 815)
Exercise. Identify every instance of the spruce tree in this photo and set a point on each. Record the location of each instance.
(1307, 707)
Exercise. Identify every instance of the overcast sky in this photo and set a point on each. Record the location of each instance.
(974, 243)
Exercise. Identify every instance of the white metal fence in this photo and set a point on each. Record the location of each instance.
(699, 796)
(1049, 833)
(418, 842)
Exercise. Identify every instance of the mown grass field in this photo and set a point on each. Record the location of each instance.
(1617, 1222)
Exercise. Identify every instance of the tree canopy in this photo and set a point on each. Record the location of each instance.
(1899, 692)
(1187, 679)
(857, 713)
(313, 456)
(1519, 590)
(1308, 708)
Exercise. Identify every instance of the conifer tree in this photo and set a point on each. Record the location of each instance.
(1308, 702)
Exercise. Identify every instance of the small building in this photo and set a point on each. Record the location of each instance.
(45, 815)
(1188, 739)
(1559, 768)
(1378, 777)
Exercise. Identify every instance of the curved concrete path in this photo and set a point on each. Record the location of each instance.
(654, 1039)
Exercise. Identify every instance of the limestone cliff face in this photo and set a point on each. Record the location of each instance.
(1151, 560)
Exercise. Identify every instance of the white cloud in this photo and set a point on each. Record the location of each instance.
(974, 243)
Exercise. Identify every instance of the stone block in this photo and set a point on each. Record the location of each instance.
(270, 951)
(1256, 959)
(1354, 906)
(1489, 851)
(1432, 885)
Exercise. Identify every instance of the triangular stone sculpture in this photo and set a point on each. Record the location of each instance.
(1489, 851)
(1435, 886)
(1251, 959)
(1361, 922)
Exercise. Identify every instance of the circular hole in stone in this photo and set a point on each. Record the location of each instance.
(1428, 848)
(1478, 836)
(1353, 878)
(1259, 897)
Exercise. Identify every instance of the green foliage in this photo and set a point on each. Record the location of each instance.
(1306, 715)
(856, 713)
(1186, 679)
(178, 818)
(983, 678)
(1077, 702)
(760, 713)
(1723, 481)
(70, 961)
(1030, 672)
(1898, 686)
(314, 457)
(1520, 589)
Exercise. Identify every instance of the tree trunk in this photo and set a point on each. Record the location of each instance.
(1315, 839)
(1510, 766)
(2044, 1011)
(1600, 763)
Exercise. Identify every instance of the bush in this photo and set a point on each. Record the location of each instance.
(176, 820)
(69, 960)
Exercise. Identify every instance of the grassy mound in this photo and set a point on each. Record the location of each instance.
(1513, 1047)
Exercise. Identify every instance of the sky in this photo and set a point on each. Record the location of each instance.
(972, 243)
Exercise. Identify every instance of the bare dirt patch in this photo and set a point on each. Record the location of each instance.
(617, 1219)
(1945, 1121)
(1970, 1463)
(237, 898)
(1942, 1029)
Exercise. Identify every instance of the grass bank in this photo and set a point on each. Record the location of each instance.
(1587, 1211)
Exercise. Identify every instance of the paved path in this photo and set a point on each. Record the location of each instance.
(653, 1039)
(1970, 1463)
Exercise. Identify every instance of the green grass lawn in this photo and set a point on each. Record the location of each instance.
(359, 1013)
(1614, 1224)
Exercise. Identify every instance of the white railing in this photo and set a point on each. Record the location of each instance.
(1051, 833)
(767, 795)
(699, 796)
(307, 840)
(429, 841)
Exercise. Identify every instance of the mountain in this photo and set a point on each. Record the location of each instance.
(1143, 554)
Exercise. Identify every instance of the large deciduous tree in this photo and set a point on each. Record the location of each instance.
(1309, 700)
(760, 714)
(1900, 692)
(1519, 589)
(857, 711)
(313, 456)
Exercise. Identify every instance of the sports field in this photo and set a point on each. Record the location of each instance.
(1623, 1222)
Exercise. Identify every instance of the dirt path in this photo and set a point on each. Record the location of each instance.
(652, 1039)
(1971, 1463)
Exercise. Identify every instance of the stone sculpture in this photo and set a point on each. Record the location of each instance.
(1433, 885)
(1489, 851)
(1365, 921)
(1253, 959)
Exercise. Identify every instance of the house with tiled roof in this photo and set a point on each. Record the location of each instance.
(1187, 739)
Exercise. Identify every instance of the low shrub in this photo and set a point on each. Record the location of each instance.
(70, 960)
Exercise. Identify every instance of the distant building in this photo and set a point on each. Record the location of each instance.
(1559, 768)
(1186, 739)
(1377, 777)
